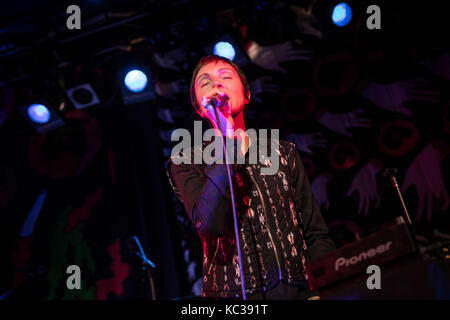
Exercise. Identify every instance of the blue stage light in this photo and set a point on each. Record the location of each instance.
(39, 113)
(342, 14)
(224, 49)
(136, 81)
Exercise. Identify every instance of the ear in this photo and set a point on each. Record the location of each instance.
(247, 98)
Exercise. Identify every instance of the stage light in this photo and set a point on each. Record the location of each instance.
(342, 14)
(41, 116)
(136, 81)
(227, 46)
(38, 113)
(225, 49)
(82, 96)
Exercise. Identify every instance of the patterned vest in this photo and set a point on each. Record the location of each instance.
(270, 229)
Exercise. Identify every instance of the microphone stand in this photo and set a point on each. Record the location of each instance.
(390, 173)
(146, 265)
(233, 205)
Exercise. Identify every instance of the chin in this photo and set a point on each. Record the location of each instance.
(235, 112)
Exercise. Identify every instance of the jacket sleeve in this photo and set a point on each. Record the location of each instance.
(315, 230)
(206, 197)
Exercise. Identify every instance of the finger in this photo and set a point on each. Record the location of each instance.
(425, 92)
(294, 58)
(360, 120)
(421, 205)
(406, 183)
(265, 78)
(358, 111)
(359, 115)
(424, 98)
(283, 47)
(220, 113)
(346, 133)
(299, 54)
(404, 110)
(361, 204)
(351, 190)
(280, 69)
(321, 144)
(299, 51)
(270, 91)
(413, 82)
(446, 201)
(271, 88)
(270, 84)
(363, 124)
(377, 202)
(417, 82)
(367, 206)
(319, 140)
(311, 33)
(429, 206)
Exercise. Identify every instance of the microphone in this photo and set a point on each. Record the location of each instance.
(218, 101)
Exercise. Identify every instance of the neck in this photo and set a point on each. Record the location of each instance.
(240, 124)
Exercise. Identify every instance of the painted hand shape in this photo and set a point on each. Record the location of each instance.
(270, 57)
(305, 20)
(170, 59)
(169, 115)
(170, 89)
(341, 122)
(440, 66)
(262, 85)
(365, 183)
(305, 141)
(425, 174)
(391, 96)
(319, 189)
(165, 115)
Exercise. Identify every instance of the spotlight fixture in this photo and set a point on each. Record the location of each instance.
(136, 81)
(83, 96)
(38, 113)
(225, 49)
(41, 117)
(137, 85)
(228, 47)
(342, 14)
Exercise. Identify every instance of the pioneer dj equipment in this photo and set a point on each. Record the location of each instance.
(378, 248)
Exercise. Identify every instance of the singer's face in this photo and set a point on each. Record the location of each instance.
(219, 77)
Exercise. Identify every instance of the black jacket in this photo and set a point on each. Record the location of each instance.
(279, 220)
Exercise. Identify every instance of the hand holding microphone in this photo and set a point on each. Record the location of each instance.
(218, 102)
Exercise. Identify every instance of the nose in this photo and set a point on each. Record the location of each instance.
(217, 84)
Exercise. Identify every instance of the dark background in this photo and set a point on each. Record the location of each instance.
(101, 174)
